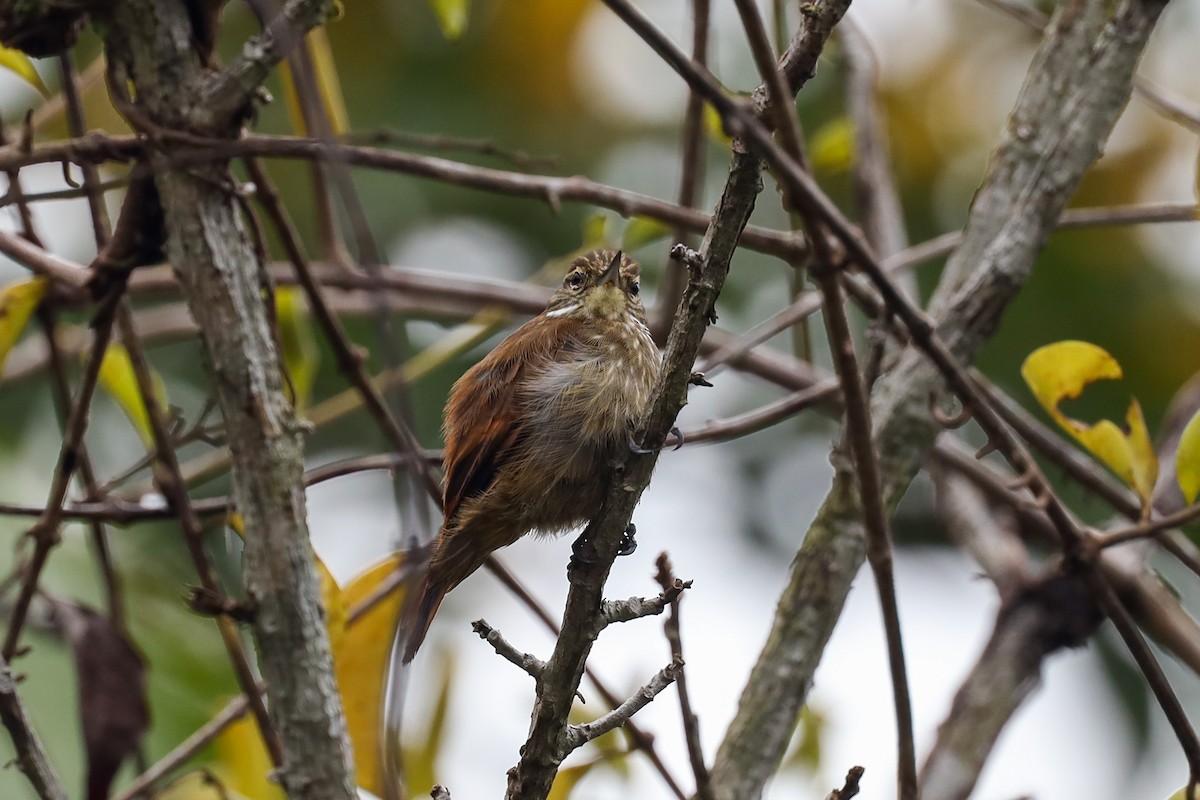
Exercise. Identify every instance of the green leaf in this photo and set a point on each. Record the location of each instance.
(301, 355)
(805, 754)
(18, 62)
(17, 303)
(832, 146)
(595, 232)
(642, 231)
(118, 379)
(1187, 460)
(451, 16)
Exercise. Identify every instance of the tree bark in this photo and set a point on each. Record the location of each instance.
(151, 46)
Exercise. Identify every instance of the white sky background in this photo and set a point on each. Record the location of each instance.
(1068, 743)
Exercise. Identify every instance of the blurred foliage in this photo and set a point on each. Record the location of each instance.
(531, 76)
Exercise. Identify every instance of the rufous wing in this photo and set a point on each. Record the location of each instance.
(482, 424)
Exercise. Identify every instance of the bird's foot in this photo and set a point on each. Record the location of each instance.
(645, 451)
(583, 553)
(628, 544)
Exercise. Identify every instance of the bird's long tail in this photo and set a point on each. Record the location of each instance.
(420, 615)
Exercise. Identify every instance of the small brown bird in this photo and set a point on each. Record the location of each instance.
(530, 429)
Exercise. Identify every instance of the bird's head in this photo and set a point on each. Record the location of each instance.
(602, 284)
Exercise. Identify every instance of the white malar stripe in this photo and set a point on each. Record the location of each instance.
(562, 312)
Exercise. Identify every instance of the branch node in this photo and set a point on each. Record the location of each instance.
(211, 604)
(687, 256)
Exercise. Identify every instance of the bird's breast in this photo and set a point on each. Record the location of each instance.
(588, 400)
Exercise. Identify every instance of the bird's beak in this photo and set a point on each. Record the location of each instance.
(612, 275)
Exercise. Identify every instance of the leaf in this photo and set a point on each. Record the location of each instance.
(451, 16)
(1187, 460)
(642, 231)
(714, 126)
(112, 692)
(243, 761)
(361, 661)
(328, 86)
(806, 748)
(334, 603)
(17, 303)
(118, 379)
(18, 62)
(595, 232)
(1061, 371)
(832, 146)
(567, 779)
(301, 354)
(199, 784)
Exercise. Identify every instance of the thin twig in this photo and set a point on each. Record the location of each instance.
(691, 173)
(691, 723)
(44, 532)
(170, 481)
(576, 736)
(530, 665)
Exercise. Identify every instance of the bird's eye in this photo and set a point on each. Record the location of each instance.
(634, 288)
(574, 280)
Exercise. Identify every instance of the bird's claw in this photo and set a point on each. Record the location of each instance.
(634, 447)
(628, 544)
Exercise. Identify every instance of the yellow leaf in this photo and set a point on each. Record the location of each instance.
(1187, 460)
(567, 779)
(301, 354)
(334, 602)
(197, 785)
(118, 379)
(17, 303)
(18, 62)
(832, 146)
(243, 763)
(1061, 371)
(451, 16)
(714, 125)
(360, 662)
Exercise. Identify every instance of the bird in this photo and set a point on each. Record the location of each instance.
(530, 429)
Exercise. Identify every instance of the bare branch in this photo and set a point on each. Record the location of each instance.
(576, 736)
(531, 665)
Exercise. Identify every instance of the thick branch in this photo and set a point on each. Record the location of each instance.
(150, 45)
(1076, 88)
